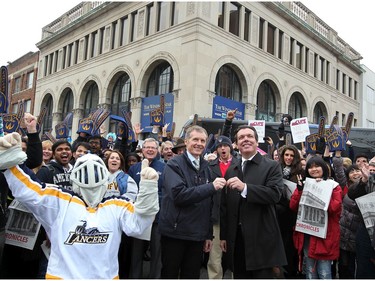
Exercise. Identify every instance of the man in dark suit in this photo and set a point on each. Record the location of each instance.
(248, 226)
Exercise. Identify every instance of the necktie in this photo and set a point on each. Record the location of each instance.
(243, 165)
(196, 164)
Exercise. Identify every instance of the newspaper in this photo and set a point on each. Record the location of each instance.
(289, 187)
(312, 216)
(22, 228)
(366, 205)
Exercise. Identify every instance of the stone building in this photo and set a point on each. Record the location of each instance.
(264, 58)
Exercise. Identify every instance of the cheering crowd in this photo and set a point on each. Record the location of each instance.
(107, 206)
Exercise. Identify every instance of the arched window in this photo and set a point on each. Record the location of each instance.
(161, 80)
(295, 107)
(227, 84)
(92, 99)
(121, 94)
(47, 122)
(68, 103)
(319, 110)
(266, 103)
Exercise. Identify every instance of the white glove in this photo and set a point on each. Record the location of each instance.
(147, 202)
(148, 173)
(11, 153)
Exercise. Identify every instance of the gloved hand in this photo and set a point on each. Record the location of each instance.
(300, 185)
(320, 145)
(11, 153)
(147, 201)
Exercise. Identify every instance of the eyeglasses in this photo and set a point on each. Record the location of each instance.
(150, 147)
(94, 142)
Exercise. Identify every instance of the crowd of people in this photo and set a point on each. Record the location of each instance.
(181, 204)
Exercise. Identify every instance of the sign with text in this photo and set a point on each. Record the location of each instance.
(150, 104)
(222, 105)
(300, 129)
(260, 126)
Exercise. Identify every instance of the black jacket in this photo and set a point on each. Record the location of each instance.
(186, 200)
(54, 173)
(256, 213)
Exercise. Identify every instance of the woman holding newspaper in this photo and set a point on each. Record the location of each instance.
(317, 233)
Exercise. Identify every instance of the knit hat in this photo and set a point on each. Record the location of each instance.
(223, 140)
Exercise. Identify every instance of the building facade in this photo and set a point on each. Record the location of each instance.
(22, 76)
(269, 57)
(367, 107)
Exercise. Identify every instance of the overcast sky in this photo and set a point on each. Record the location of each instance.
(23, 20)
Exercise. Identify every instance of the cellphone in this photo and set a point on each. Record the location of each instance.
(266, 138)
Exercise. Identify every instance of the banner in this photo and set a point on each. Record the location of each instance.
(222, 105)
(150, 104)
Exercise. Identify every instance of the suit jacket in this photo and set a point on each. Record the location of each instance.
(256, 213)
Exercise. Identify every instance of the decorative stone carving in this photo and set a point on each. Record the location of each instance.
(206, 9)
(141, 22)
(190, 8)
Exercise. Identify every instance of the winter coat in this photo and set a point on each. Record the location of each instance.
(256, 213)
(186, 204)
(349, 223)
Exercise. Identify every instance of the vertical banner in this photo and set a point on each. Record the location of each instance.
(222, 105)
(260, 126)
(4, 89)
(149, 105)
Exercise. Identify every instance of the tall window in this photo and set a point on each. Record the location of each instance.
(246, 35)
(121, 94)
(299, 55)
(220, 14)
(150, 12)
(271, 39)
(234, 12)
(281, 47)
(17, 84)
(67, 106)
(175, 12)
(261, 26)
(91, 100)
(113, 35)
(319, 110)
(68, 103)
(47, 123)
(227, 84)
(266, 103)
(163, 15)
(161, 80)
(124, 31)
(296, 105)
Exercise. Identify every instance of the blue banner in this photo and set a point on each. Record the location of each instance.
(222, 105)
(151, 103)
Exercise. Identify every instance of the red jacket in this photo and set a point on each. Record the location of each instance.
(319, 248)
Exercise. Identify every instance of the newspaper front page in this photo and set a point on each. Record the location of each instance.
(22, 228)
(366, 205)
(312, 216)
